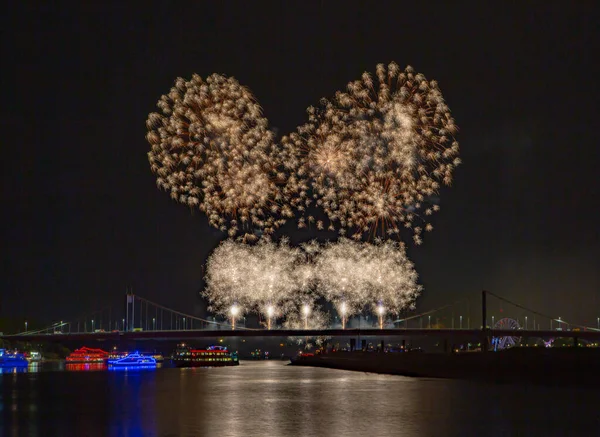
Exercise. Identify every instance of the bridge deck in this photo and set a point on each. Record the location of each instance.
(370, 332)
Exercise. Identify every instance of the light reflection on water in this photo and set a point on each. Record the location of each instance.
(269, 398)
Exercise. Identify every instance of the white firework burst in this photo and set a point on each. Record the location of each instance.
(357, 276)
(211, 149)
(372, 157)
(261, 278)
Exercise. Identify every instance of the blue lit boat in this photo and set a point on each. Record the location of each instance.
(134, 360)
(8, 359)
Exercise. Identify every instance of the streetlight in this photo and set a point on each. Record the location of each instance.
(234, 312)
(184, 323)
(306, 311)
(61, 325)
(154, 323)
(380, 311)
(598, 322)
(123, 325)
(429, 326)
(270, 312)
(460, 326)
(343, 311)
(25, 325)
(92, 325)
(492, 322)
(525, 322)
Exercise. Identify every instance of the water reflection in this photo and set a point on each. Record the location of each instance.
(85, 367)
(269, 398)
(134, 368)
(8, 370)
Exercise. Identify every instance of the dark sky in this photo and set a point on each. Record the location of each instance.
(82, 217)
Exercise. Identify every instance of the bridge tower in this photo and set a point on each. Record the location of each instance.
(484, 330)
(129, 311)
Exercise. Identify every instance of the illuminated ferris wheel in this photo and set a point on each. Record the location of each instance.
(501, 343)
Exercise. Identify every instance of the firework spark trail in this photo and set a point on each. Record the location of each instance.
(211, 149)
(372, 156)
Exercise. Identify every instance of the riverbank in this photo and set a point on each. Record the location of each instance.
(552, 366)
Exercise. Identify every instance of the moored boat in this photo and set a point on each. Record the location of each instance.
(87, 355)
(12, 359)
(134, 360)
(212, 356)
(34, 357)
(117, 355)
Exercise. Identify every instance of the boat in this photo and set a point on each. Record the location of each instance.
(158, 357)
(87, 355)
(134, 360)
(34, 357)
(117, 355)
(212, 356)
(12, 359)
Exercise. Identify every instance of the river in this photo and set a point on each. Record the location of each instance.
(268, 398)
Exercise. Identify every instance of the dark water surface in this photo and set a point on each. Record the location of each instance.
(271, 399)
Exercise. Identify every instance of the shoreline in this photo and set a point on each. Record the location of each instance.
(567, 366)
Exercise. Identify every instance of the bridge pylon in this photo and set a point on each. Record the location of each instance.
(129, 311)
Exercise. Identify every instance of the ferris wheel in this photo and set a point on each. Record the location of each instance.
(501, 343)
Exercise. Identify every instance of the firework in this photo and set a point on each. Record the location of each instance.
(227, 271)
(211, 149)
(276, 280)
(339, 278)
(355, 276)
(262, 278)
(373, 157)
(390, 276)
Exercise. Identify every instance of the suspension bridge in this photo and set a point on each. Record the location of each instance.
(147, 320)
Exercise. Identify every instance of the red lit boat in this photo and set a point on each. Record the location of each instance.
(87, 355)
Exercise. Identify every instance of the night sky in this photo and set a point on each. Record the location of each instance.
(82, 217)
